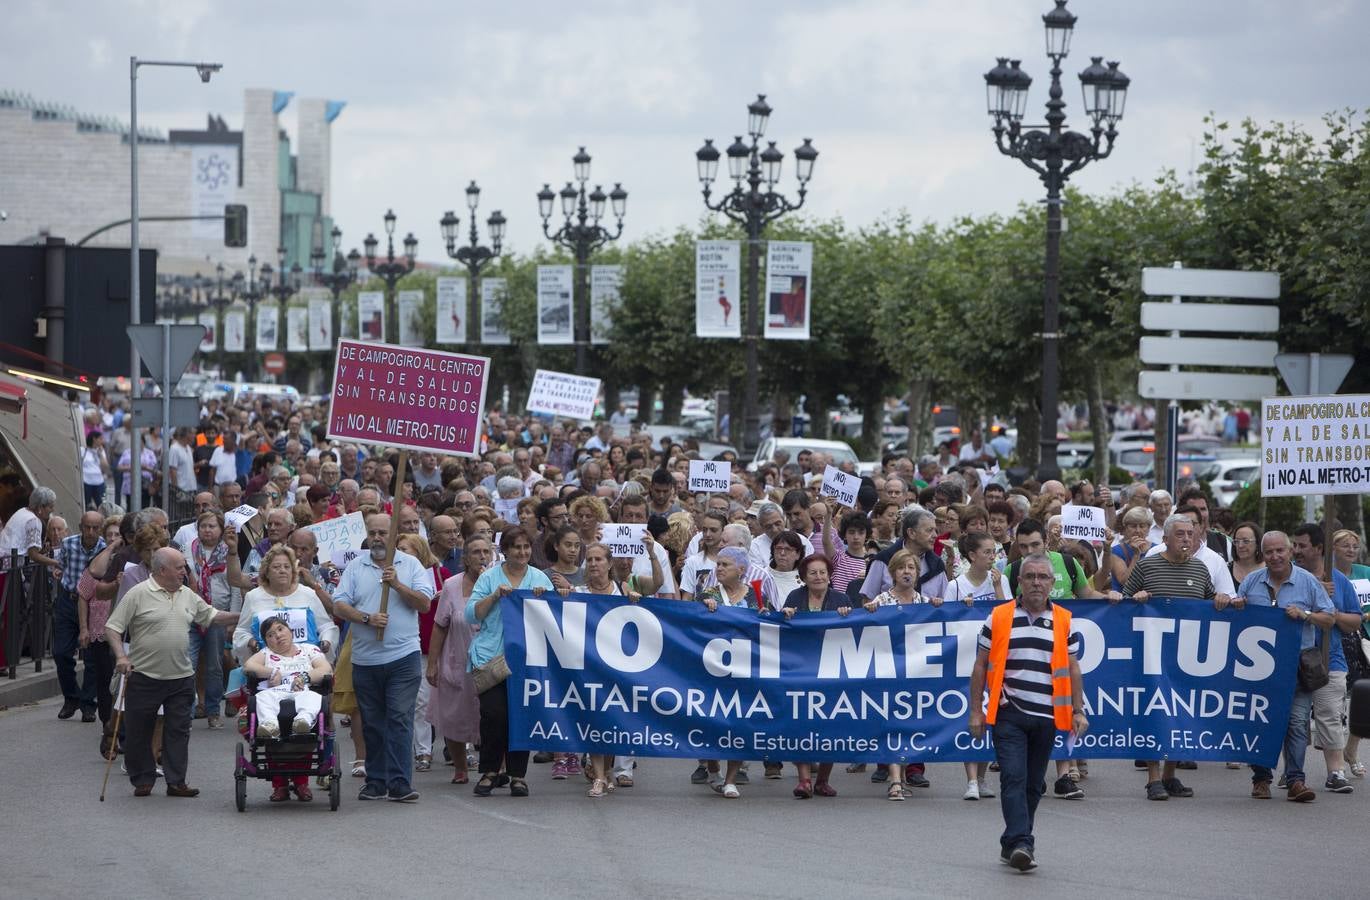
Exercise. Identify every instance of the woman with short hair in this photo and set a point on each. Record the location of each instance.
(815, 595)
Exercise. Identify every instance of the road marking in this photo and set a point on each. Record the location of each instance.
(513, 820)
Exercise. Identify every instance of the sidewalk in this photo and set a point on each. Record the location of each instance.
(30, 686)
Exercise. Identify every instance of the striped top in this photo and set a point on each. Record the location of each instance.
(1027, 671)
(1160, 577)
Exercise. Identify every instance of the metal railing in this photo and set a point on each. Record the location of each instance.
(26, 613)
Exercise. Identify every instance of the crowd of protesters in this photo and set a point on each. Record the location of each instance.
(419, 685)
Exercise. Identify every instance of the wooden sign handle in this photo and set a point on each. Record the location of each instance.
(390, 540)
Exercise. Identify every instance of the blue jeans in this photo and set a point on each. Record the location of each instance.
(66, 632)
(1022, 744)
(211, 644)
(1295, 741)
(385, 697)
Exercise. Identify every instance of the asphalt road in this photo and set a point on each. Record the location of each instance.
(662, 839)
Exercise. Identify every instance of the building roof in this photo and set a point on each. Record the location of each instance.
(56, 112)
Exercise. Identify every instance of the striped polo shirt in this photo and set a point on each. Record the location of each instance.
(1160, 577)
(1027, 671)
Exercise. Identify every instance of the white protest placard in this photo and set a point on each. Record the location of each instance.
(624, 540)
(839, 485)
(562, 394)
(451, 311)
(1362, 588)
(555, 325)
(236, 518)
(1083, 523)
(789, 290)
(338, 537)
(508, 509)
(1315, 445)
(718, 289)
(708, 476)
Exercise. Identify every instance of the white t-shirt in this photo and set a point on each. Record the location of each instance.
(182, 464)
(22, 532)
(225, 466)
(694, 567)
(961, 589)
(642, 568)
(91, 471)
(290, 666)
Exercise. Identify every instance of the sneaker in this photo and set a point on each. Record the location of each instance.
(216, 722)
(715, 780)
(298, 726)
(87, 715)
(543, 756)
(986, 791)
(559, 769)
(68, 709)
(1174, 788)
(371, 792)
(742, 777)
(1260, 790)
(881, 774)
(1187, 764)
(270, 729)
(917, 779)
(423, 763)
(572, 764)
(1021, 859)
(1282, 783)
(972, 791)
(731, 792)
(1300, 792)
(403, 795)
(1139, 764)
(700, 775)
(1065, 789)
(776, 771)
(1156, 791)
(1337, 784)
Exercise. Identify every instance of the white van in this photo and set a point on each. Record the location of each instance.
(251, 389)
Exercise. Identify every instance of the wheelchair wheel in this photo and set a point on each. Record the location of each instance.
(239, 781)
(335, 789)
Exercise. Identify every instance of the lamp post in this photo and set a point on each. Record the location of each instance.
(253, 292)
(392, 269)
(582, 235)
(471, 254)
(344, 272)
(753, 168)
(205, 70)
(288, 281)
(1054, 153)
(221, 301)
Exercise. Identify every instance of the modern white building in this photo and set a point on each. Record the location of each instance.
(66, 174)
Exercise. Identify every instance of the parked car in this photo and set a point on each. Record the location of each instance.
(840, 452)
(1232, 477)
(1075, 455)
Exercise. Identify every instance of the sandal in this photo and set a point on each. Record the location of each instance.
(358, 768)
(485, 786)
(1358, 769)
(804, 789)
(423, 763)
(624, 781)
(279, 794)
(518, 787)
(460, 778)
(856, 768)
(598, 789)
(896, 791)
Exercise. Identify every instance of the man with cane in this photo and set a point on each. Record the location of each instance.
(157, 615)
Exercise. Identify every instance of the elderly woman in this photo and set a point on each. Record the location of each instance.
(211, 564)
(1132, 545)
(487, 650)
(418, 548)
(815, 595)
(453, 708)
(286, 670)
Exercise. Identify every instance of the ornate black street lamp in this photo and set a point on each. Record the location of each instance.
(221, 300)
(471, 254)
(582, 235)
(343, 273)
(391, 270)
(1054, 154)
(753, 202)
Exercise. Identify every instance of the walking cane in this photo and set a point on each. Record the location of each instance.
(114, 736)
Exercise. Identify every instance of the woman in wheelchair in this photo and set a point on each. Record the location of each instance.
(285, 671)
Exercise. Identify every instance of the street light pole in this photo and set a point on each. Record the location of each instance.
(392, 269)
(1054, 154)
(252, 294)
(751, 168)
(221, 301)
(472, 255)
(135, 317)
(344, 273)
(582, 235)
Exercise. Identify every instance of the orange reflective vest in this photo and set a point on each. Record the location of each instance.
(1000, 627)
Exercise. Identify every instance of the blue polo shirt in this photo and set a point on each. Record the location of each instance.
(360, 588)
(1302, 590)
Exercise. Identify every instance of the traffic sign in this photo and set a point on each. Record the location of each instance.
(1296, 367)
(274, 363)
(1166, 281)
(147, 412)
(1245, 318)
(1188, 351)
(1204, 386)
(151, 344)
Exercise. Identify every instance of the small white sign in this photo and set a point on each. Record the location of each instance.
(839, 485)
(709, 476)
(561, 394)
(1362, 588)
(236, 518)
(1083, 523)
(624, 540)
(508, 510)
(337, 538)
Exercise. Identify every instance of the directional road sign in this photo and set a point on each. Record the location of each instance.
(151, 345)
(1244, 318)
(1295, 369)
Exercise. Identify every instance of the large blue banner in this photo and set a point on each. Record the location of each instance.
(1168, 679)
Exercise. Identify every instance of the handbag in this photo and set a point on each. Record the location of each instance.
(1313, 671)
(491, 674)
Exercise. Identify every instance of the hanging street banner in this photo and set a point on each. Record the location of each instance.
(562, 394)
(409, 307)
(268, 325)
(1315, 445)
(718, 289)
(451, 311)
(789, 293)
(408, 398)
(493, 328)
(235, 330)
(211, 325)
(213, 183)
(371, 316)
(320, 320)
(1166, 679)
(297, 329)
(605, 282)
(555, 318)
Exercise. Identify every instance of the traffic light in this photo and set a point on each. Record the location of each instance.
(235, 225)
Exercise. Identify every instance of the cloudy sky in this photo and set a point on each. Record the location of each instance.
(890, 91)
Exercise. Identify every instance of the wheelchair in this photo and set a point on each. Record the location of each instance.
(309, 754)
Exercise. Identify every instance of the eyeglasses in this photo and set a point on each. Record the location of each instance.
(1032, 576)
(273, 496)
